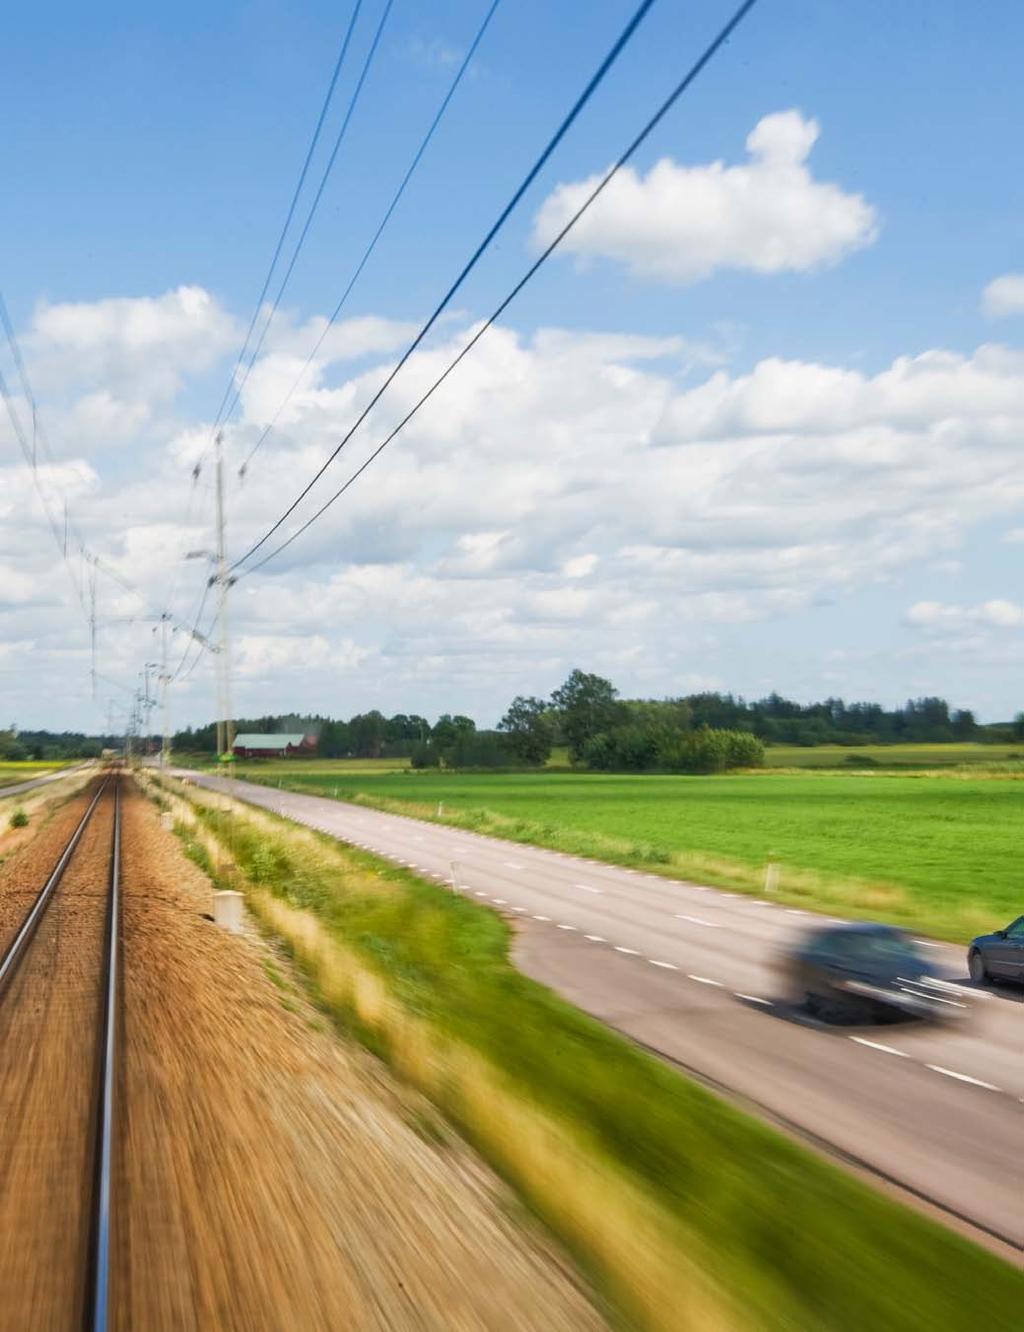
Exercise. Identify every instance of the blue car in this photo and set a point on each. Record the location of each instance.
(998, 956)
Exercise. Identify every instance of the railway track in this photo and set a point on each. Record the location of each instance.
(27, 1005)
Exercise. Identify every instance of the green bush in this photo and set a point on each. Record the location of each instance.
(19, 819)
(626, 749)
(425, 755)
(710, 750)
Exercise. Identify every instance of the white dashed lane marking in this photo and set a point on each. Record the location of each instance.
(754, 999)
(511, 864)
(596, 938)
(634, 952)
(669, 966)
(696, 920)
(703, 980)
(587, 888)
(542, 917)
(962, 1077)
(567, 927)
(877, 1045)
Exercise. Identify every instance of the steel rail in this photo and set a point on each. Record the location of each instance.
(97, 1300)
(19, 944)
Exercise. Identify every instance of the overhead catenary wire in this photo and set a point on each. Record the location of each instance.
(231, 393)
(177, 673)
(26, 449)
(315, 139)
(81, 584)
(595, 80)
(624, 157)
(339, 139)
(367, 253)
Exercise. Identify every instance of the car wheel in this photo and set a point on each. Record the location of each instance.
(976, 966)
(822, 1008)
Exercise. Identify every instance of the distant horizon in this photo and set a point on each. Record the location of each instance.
(322, 715)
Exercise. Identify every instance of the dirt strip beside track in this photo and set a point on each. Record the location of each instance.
(275, 1177)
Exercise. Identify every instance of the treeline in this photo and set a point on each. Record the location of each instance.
(708, 732)
(451, 740)
(705, 732)
(778, 720)
(585, 715)
(52, 746)
(607, 733)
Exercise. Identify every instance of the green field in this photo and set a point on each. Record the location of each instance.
(11, 773)
(894, 756)
(937, 852)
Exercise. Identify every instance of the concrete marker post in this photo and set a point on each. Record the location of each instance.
(227, 910)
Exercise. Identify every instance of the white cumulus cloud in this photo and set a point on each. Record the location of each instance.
(1004, 296)
(613, 514)
(941, 618)
(682, 223)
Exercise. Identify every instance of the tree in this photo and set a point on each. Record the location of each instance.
(477, 749)
(529, 729)
(964, 725)
(588, 705)
(1018, 726)
(367, 734)
(447, 730)
(335, 740)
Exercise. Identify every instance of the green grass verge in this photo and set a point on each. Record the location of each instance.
(936, 854)
(759, 1232)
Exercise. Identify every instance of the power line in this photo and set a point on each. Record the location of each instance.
(231, 395)
(648, 129)
(312, 209)
(410, 171)
(293, 205)
(531, 175)
(196, 636)
(31, 458)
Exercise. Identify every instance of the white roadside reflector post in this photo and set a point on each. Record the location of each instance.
(771, 877)
(227, 910)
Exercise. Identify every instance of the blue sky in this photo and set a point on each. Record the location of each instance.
(155, 148)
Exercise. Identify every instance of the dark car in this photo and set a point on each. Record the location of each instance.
(998, 956)
(868, 972)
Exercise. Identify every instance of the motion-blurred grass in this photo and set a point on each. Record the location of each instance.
(687, 1213)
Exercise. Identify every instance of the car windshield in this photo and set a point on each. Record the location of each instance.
(888, 950)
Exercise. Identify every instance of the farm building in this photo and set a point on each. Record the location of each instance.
(273, 746)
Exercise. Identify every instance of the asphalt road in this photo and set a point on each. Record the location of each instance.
(689, 972)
